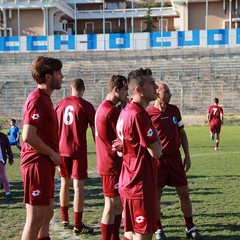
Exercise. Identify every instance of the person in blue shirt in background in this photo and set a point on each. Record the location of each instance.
(14, 134)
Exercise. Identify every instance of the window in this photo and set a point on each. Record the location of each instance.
(114, 5)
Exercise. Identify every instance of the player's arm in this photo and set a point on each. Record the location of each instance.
(29, 135)
(221, 117)
(18, 135)
(155, 149)
(184, 142)
(9, 151)
(208, 117)
(93, 132)
(17, 138)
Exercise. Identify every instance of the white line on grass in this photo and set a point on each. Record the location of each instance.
(209, 154)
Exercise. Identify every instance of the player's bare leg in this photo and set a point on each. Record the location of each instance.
(64, 200)
(217, 141)
(37, 221)
(184, 201)
(112, 209)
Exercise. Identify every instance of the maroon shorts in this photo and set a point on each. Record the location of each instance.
(38, 182)
(73, 168)
(140, 215)
(171, 171)
(216, 128)
(110, 185)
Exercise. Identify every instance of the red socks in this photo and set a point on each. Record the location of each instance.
(116, 227)
(64, 213)
(189, 222)
(77, 220)
(159, 224)
(106, 231)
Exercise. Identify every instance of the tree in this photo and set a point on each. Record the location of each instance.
(149, 20)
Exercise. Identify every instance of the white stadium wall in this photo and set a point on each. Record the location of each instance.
(217, 38)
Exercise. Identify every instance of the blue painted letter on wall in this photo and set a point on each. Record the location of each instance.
(59, 42)
(7, 44)
(217, 37)
(195, 39)
(33, 43)
(156, 39)
(91, 41)
(119, 40)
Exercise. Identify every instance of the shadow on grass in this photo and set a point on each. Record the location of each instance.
(209, 229)
(217, 237)
(94, 199)
(93, 193)
(17, 196)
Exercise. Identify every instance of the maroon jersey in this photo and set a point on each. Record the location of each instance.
(108, 162)
(74, 114)
(39, 112)
(167, 124)
(215, 115)
(138, 177)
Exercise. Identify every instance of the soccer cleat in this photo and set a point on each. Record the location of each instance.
(83, 230)
(193, 234)
(215, 148)
(65, 224)
(160, 235)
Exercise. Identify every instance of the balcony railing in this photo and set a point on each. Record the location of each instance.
(86, 14)
(125, 13)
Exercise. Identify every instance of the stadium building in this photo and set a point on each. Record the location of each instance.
(194, 47)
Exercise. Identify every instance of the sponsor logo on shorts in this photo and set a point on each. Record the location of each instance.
(35, 192)
(139, 219)
(116, 186)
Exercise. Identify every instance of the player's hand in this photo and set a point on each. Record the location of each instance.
(11, 162)
(55, 157)
(187, 163)
(117, 145)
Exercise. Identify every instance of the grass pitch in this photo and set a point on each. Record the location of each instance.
(213, 182)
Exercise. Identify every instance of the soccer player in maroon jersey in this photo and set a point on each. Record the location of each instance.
(215, 121)
(40, 153)
(167, 120)
(108, 162)
(74, 115)
(141, 148)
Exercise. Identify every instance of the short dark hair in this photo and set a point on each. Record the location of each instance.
(78, 84)
(117, 81)
(216, 100)
(44, 65)
(135, 77)
(13, 120)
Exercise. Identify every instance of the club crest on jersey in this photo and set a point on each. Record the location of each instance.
(174, 120)
(149, 132)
